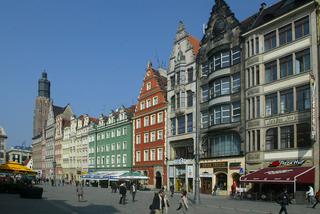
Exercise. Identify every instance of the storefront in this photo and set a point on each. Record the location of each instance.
(220, 175)
(181, 173)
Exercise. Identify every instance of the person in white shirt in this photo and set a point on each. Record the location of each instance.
(310, 195)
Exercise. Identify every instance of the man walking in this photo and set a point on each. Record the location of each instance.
(133, 190)
(123, 192)
(284, 200)
(317, 199)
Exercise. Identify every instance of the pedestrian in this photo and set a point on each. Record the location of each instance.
(123, 192)
(183, 203)
(310, 195)
(284, 201)
(172, 190)
(214, 191)
(133, 190)
(317, 197)
(79, 191)
(158, 203)
(62, 182)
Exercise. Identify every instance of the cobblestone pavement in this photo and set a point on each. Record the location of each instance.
(63, 200)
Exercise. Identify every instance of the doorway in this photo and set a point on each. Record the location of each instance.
(158, 180)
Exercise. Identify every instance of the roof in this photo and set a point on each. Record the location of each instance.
(195, 44)
(276, 10)
(58, 110)
(94, 120)
(281, 175)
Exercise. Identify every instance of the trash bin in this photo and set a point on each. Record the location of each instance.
(300, 197)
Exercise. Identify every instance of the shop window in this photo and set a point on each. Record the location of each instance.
(270, 41)
(286, 66)
(303, 135)
(286, 101)
(285, 34)
(303, 98)
(302, 61)
(271, 104)
(222, 181)
(272, 139)
(287, 137)
(302, 27)
(271, 71)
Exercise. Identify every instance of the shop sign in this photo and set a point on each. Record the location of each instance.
(281, 120)
(276, 172)
(214, 165)
(280, 163)
(190, 171)
(180, 161)
(313, 107)
(220, 170)
(235, 165)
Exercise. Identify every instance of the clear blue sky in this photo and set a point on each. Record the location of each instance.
(95, 52)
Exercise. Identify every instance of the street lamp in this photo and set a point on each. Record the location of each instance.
(54, 164)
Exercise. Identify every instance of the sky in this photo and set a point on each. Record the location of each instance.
(95, 52)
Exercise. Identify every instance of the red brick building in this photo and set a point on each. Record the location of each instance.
(150, 128)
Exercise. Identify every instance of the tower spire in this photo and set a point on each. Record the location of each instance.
(44, 85)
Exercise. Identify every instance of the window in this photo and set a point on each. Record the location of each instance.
(258, 106)
(124, 159)
(204, 119)
(205, 93)
(272, 139)
(182, 76)
(146, 121)
(302, 27)
(138, 123)
(178, 99)
(286, 101)
(152, 154)
(160, 154)
(183, 99)
(124, 131)
(189, 98)
(118, 132)
(153, 119)
(225, 59)
(285, 35)
(287, 137)
(124, 145)
(173, 81)
(113, 147)
(155, 100)
(181, 125)
(148, 86)
(107, 148)
(153, 136)
(225, 86)
(271, 104)
(160, 117)
(173, 103)
(271, 71)
(113, 159)
(138, 157)
(217, 88)
(270, 41)
(257, 45)
(142, 105)
(303, 98)
(108, 159)
(302, 61)
(178, 77)
(146, 137)
(173, 126)
(138, 139)
(189, 122)
(236, 55)
(217, 61)
(205, 70)
(190, 75)
(113, 133)
(217, 115)
(160, 134)
(286, 66)
(236, 112)
(118, 159)
(118, 146)
(146, 155)
(224, 145)
(148, 103)
(236, 82)
(257, 75)
(303, 135)
(225, 114)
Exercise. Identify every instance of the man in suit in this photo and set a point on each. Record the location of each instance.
(123, 192)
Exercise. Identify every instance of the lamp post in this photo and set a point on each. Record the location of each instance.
(54, 164)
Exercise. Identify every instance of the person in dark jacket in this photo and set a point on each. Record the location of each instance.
(284, 201)
(158, 203)
(123, 192)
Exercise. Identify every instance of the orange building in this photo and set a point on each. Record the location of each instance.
(149, 128)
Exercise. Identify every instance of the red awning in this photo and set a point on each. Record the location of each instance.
(304, 175)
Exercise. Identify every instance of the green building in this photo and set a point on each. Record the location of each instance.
(110, 142)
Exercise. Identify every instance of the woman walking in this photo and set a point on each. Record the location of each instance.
(79, 191)
(183, 205)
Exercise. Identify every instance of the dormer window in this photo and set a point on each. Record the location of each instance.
(148, 86)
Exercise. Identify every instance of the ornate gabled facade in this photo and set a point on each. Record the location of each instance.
(149, 135)
(220, 103)
(110, 142)
(181, 112)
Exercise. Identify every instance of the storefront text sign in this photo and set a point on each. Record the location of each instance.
(235, 165)
(180, 161)
(279, 163)
(214, 165)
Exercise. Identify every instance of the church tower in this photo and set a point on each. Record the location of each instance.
(41, 105)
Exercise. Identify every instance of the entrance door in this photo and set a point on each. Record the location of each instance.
(206, 185)
(158, 180)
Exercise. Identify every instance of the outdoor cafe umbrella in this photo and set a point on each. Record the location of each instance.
(133, 176)
(15, 167)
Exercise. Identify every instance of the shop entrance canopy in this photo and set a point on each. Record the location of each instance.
(301, 175)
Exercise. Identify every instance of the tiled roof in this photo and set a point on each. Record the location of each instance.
(195, 44)
(94, 120)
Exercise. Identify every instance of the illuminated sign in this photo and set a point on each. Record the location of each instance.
(279, 163)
